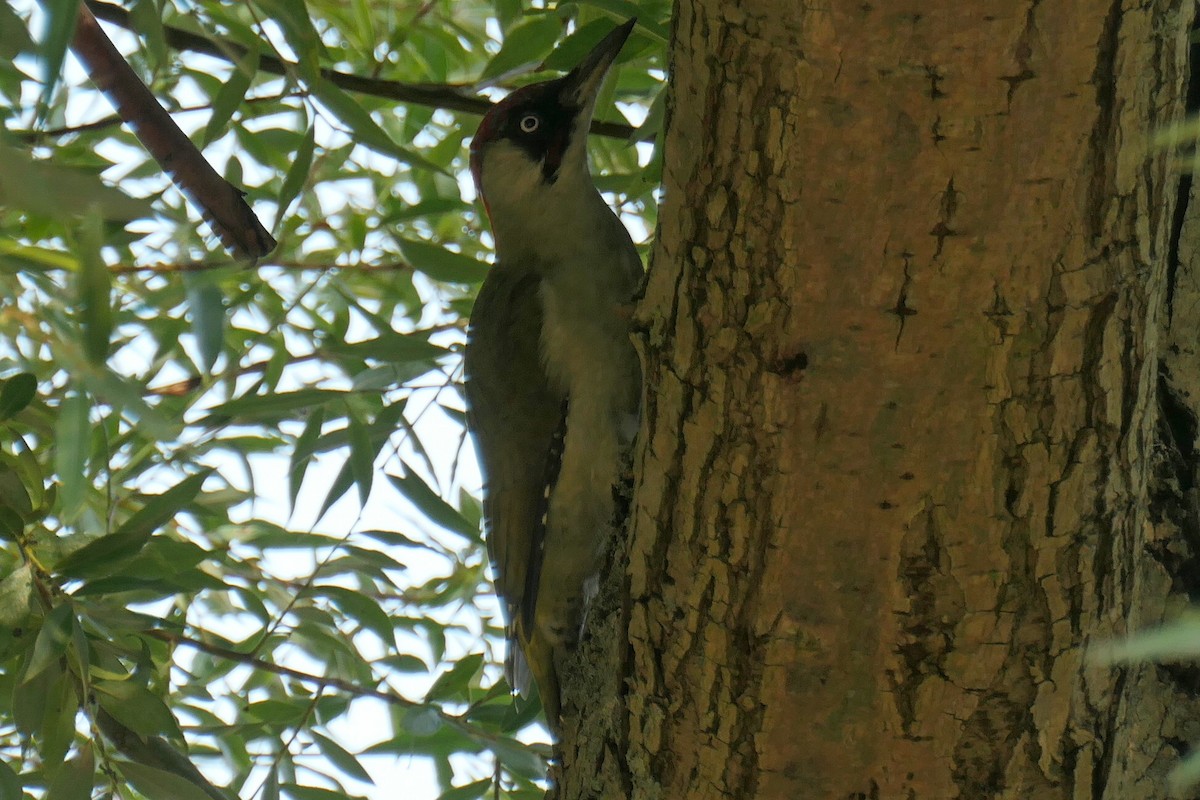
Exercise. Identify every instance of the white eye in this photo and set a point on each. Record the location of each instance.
(530, 123)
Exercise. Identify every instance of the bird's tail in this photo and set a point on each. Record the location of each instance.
(531, 662)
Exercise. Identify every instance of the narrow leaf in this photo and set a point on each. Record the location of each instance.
(507, 12)
(362, 20)
(341, 758)
(58, 722)
(453, 683)
(297, 174)
(162, 508)
(271, 786)
(206, 312)
(621, 10)
(366, 130)
(441, 264)
(571, 50)
(122, 393)
(23, 257)
(229, 97)
(14, 39)
(16, 591)
(293, 17)
(14, 495)
(272, 406)
(341, 484)
(51, 642)
(10, 784)
(380, 429)
(148, 23)
(432, 505)
(137, 708)
(525, 44)
(101, 556)
(16, 393)
(56, 36)
(157, 784)
(71, 452)
(94, 290)
(391, 347)
(518, 757)
(651, 126)
(60, 192)
(303, 452)
(362, 609)
(73, 781)
(362, 457)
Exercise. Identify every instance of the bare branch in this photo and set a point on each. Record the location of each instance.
(453, 98)
(298, 266)
(35, 137)
(321, 681)
(278, 669)
(220, 201)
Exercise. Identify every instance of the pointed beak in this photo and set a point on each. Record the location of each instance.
(582, 84)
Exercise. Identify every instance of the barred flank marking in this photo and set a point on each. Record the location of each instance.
(553, 464)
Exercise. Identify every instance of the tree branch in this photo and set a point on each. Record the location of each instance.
(220, 201)
(35, 136)
(277, 669)
(298, 266)
(320, 681)
(452, 98)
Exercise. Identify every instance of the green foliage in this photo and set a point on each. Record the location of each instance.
(199, 564)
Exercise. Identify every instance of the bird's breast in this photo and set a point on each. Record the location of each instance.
(585, 338)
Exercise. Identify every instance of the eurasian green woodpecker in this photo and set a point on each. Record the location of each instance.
(553, 383)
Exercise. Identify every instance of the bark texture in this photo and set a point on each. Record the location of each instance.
(921, 412)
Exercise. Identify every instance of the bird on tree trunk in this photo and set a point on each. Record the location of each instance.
(553, 382)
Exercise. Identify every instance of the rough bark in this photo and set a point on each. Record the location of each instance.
(909, 445)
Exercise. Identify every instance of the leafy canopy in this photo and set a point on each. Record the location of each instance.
(238, 527)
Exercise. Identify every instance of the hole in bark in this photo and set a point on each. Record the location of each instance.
(790, 364)
(1010, 500)
(1185, 677)
(872, 793)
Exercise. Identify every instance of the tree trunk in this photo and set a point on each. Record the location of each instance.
(903, 459)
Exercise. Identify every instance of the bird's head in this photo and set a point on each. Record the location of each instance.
(530, 150)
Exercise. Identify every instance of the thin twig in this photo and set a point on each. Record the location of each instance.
(188, 385)
(321, 681)
(111, 121)
(300, 266)
(452, 98)
(277, 669)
